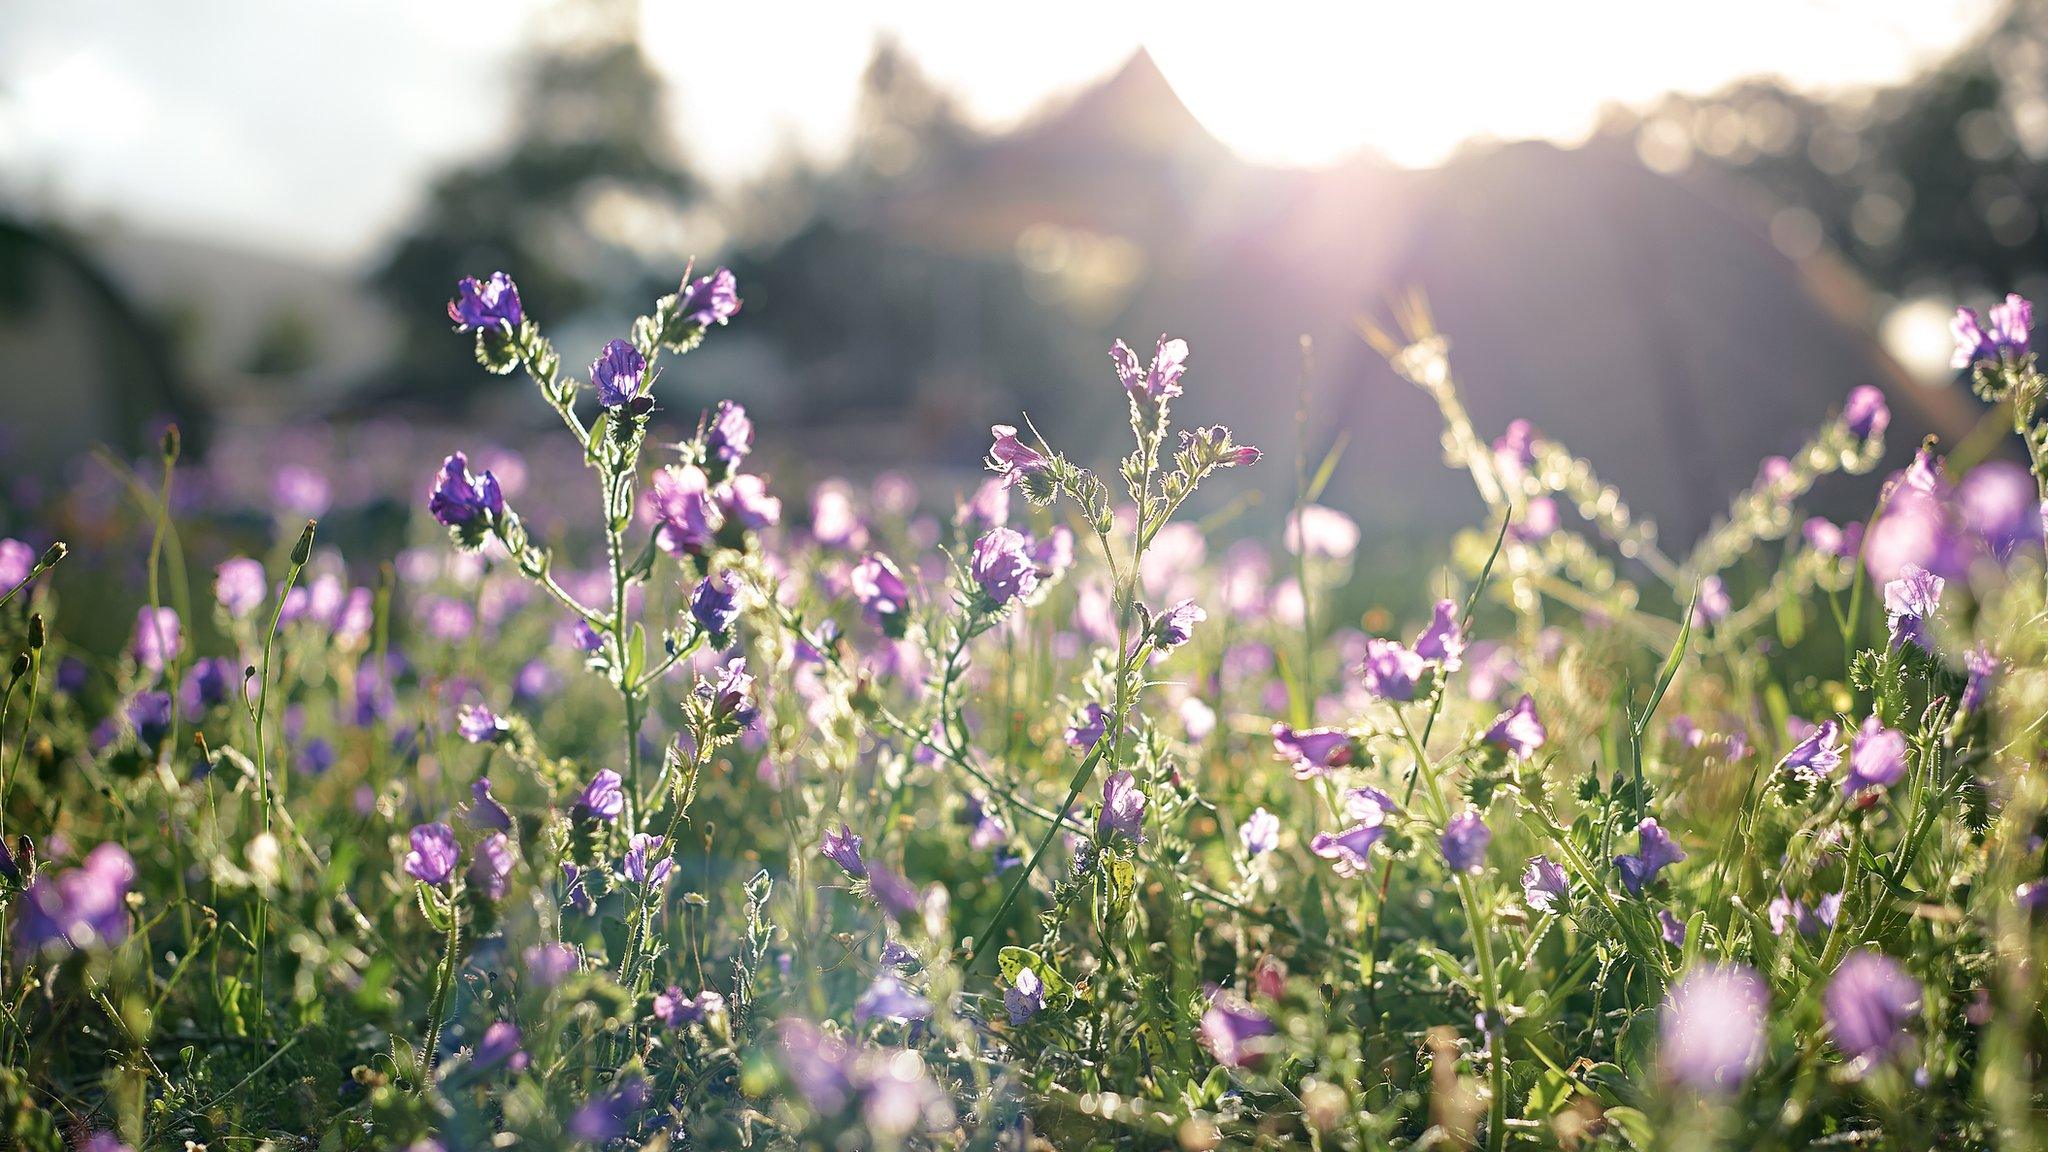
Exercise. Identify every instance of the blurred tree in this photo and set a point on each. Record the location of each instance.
(593, 170)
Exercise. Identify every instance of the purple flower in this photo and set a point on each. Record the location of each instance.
(84, 907)
(105, 1142)
(1655, 849)
(620, 374)
(679, 501)
(491, 303)
(1984, 669)
(1868, 1005)
(986, 828)
(1231, 1029)
(1002, 566)
(17, 560)
(490, 870)
(1314, 530)
(549, 964)
(1829, 539)
(584, 637)
(1443, 641)
(1784, 912)
(1518, 730)
(1865, 413)
(434, 854)
(1054, 554)
(480, 725)
(1011, 457)
(1176, 625)
(1157, 382)
(897, 954)
(1514, 452)
(819, 1064)
(2010, 322)
(888, 998)
(1877, 758)
(1123, 808)
(729, 435)
(635, 864)
(1391, 671)
(208, 684)
(1464, 841)
(1712, 1027)
(715, 605)
(843, 848)
(1260, 833)
(158, 640)
(2007, 335)
(239, 585)
(709, 300)
(1545, 887)
(732, 697)
(464, 503)
(2001, 506)
(1816, 757)
(744, 500)
(1713, 605)
(989, 507)
(675, 1009)
(1348, 851)
(1672, 928)
(149, 713)
(892, 892)
(878, 586)
(486, 812)
(604, 798)
(1214, 443)
(607, 1116)
(1025, 998)
(1909, 603)
(1087, 731)
(500, 1045)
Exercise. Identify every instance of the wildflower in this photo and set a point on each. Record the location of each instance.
(1868, 1004)
(986, 828)
(1123, 808)
(434, 854)
(584, 638)
(1213, 447)
(1054, 553)
(1231, 1029)
(489, 303)
(1313, 530)
(1711, 1031)
(606, 1116)
(1829, 539)
(1784, 912)
(620, 374)
(17, 560)
(1196, 719)
(1514, 452)
(709, 300)
(490, 871)
(1816, 756)
(1086, 731)
(715, 606)
(1984, 669)
(480, 725)
(238, 585)
(843, 848)
(1443, 641)
(1161, 379)
(1545, 887)
(1538, 520)
(819, 1064)
(1672, 928)
(84, 907)
(989, 507)
(729, 435)
(679, 501)
(486, 812)
(1392, 671)
(1024, 998)
(675, 1009)
(466, 505)
(744, 500)
(1464, 841)
(1002, 566)
(604, 798)
(576, 890)
(1260, 833)
(878, 587)
(834, 523)
(1349, 849)
(892, 892)
(149, 713)
(897, 954)
(635, 864)
(1655, 849)
(105, 1142)
(1176, 625)
(888, 998)
(549, 964)
(1517, 730)
(159, 638)
(1013, 459)
(2001, 507)
(732, 698)
(500, 1045)
(1909, 602)
(1877, 758)
(1312, 751)
(1713, 604)
(2032, 896)
(2007, 336)
(1865, 412)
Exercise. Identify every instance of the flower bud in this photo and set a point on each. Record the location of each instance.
(171, 444)
(21, 663)
(303, 550)
(36, 634)
(55, 553)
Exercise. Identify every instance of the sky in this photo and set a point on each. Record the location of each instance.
(311, 129)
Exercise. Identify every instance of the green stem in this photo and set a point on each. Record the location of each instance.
(444, 980)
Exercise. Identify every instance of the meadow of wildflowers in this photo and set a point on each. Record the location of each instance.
(645, 804)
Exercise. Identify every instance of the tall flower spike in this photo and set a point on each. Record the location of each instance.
(1155, 382)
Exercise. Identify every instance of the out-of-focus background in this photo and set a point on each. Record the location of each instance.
(1672, 235)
